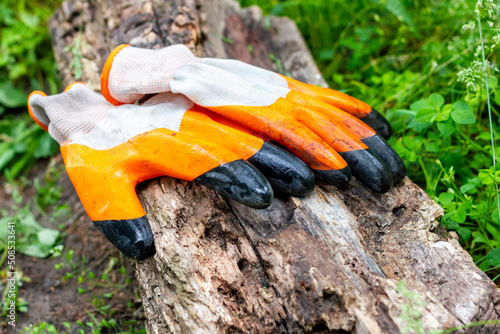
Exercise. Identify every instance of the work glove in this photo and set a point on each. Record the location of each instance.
(316, 124)
(107, 150)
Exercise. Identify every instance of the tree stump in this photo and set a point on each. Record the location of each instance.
(329, 262)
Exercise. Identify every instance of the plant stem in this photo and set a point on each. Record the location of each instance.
(473, 143)
(489, 110)
(4, 256)
(472, 324)
(428, 180)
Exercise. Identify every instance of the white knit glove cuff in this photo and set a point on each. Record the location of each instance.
(72, 113)
(136, 70)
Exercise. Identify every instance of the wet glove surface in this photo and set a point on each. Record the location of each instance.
(321, 126)
(108, 150)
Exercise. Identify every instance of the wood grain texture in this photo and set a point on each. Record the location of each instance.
(329, 262)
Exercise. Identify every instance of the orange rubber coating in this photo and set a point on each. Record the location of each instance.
(340, 100)
(43, 126)
(335, 135)
(201, 125)
(71, 85)
(105, 75)
(105, 180)
(227, 122)
(278, 122)
(351, 123)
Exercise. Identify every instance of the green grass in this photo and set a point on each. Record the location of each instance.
(425, 72)
(26, 64)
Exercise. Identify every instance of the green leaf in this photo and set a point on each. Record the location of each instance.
(29, 222)
(227, 40)
(397, 8)
(466, 205)
(446, 198)
(464, 233)
(471, 184)
(461, 113)
(467, 187)
(46, 146)
(444, 113)
(486, 135)
(327, 54)
(47, 236)
(12, 97)
(486, 176)
(460, 214)
(426, 115)
(451, 224)
(493, 230)
(20, 147)
(418, 126)
(495, 216)
(34, 250)
(436, 99)
(432, 147)
(479, 238)
(6, 157)
(493, 257)
(422, 104)
(446, 128)
(492, 83)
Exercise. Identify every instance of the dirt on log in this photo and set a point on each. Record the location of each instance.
(329, 262)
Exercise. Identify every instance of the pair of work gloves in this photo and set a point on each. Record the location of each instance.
(230, 126)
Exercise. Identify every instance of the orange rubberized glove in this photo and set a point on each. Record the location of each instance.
(316, 124)
(108, 150)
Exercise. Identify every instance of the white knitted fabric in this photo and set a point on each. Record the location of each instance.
(69, 114)
(263, 77)
(81, 116)
(208, 82)
(124, 122)
(137, 71)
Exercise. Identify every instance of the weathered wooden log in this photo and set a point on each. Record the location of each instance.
(329, 262)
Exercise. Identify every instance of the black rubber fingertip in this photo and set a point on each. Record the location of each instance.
(337, 177)
(369, 169)
(132, 237)
(240, 181)
(285, 172)
(378, 123)
(388, 155)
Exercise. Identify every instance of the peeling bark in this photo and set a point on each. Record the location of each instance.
(328, 262)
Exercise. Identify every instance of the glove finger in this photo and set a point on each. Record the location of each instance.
(108, 195)
(239, 181)
(388, 155)
(269, 123)
(365, 164)
(358, 129)
(36, 113)
(132, 237)
(189, 158)
(377, 122)
(285, 172)
(347, 103)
